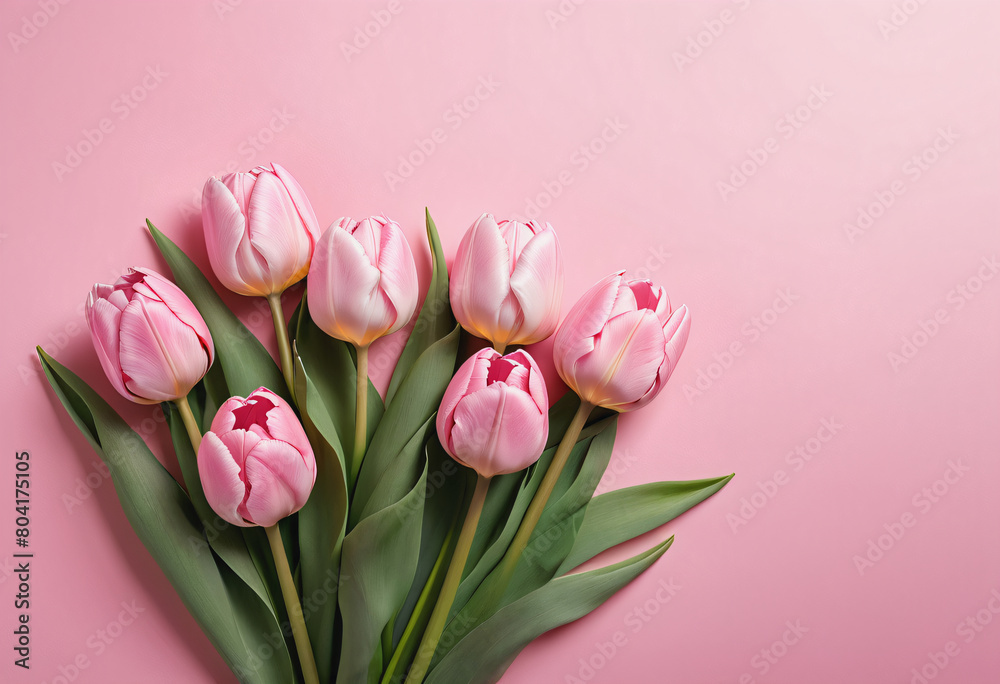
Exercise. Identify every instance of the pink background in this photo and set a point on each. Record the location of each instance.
(591, 115)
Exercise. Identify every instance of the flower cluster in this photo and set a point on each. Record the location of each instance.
(266, 456)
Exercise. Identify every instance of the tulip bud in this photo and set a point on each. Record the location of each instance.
(494, 417)
(620, 343)
(363, 282)
(260, 230)
(256, 464)
(507, 281)
(153, 344)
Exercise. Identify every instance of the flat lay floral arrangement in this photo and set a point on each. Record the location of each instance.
(325, 533)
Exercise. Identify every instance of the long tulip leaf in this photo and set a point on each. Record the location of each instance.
(487, 650)
(167, 523)
(322, 523)
(624, 514)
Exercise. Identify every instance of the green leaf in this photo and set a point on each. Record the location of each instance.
(447, 487)
(245, 362)
(435, 319)
(624, 514)
(448, 496)
(486, 652)
(384, 477)
(322, 523)
(379, 558)
(166, 522)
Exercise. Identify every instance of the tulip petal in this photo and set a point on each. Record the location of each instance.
(624, 363)
(471, 376)
(574, 338)
(229, 249)
(275, 233)
(301, 202)
(224, 418)
(535, 381)
(283, 425)
(537, 282)
(220, 479)
(183, 308)
(652, 297)
(280, 481)
(481, 278)
(399, 274)
(104, 320)
(161, 356)
(344, 297)
(676, 331)
(497, 430)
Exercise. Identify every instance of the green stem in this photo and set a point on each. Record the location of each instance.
(194, 432)
(360, 414)
(294, 607)
(435, 627)
(500, 347)
(537, 505)
(281, 332)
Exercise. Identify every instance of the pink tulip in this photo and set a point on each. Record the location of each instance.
(507, 281)
(151, 340)
(256, 464)
(620, 343)
(494, 417)
(363, 282)
(260, 230)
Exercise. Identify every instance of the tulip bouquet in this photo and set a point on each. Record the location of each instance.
(324, 532)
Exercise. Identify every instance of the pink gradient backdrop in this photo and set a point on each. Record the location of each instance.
(646, 199)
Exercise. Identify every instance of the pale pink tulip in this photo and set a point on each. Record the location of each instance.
(363, 282)
(256, 464)
(153, 344)
(494, 417)
(507, 281)
(620, 343)
(260, 230)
